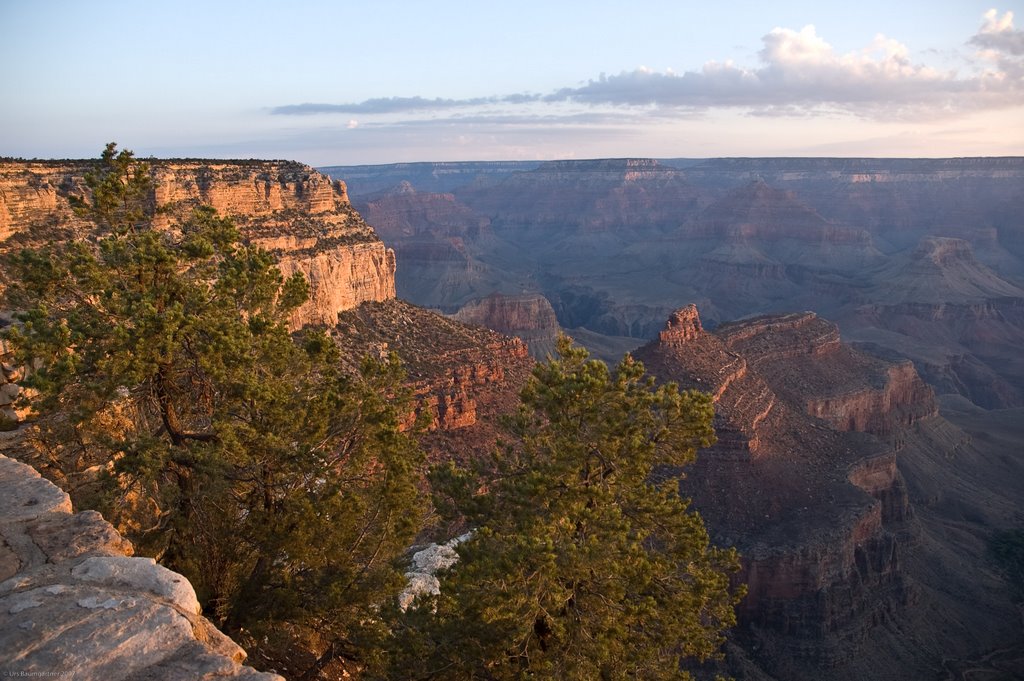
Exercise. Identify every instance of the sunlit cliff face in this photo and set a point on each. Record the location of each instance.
(302, 217)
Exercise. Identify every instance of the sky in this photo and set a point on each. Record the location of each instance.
(334, 82)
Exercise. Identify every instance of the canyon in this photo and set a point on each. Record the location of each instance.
(861, 464)
(463, 377)
(923, 258)
(857, 323)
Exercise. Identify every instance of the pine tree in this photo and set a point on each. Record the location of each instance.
(582, 565)
(238, 454)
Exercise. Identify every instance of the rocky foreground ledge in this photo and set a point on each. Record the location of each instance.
(75, 604)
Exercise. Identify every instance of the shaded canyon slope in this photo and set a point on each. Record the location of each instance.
(528, 316)
(830, 476)
(961, 323)
(463, 377)
(614, 244)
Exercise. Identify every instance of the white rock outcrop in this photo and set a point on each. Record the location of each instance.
(426, 563)
(75, 603)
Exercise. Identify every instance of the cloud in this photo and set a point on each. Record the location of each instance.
(998, 33)
(1001, 48)
(800, 71)
(388, 105)
(797, 73)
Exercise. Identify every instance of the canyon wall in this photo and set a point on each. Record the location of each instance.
(860, 513)
(960, 321)
(463, 377)
(820, 517)
(849, 389)
(585, 196)
(299, 215)
(527, 316)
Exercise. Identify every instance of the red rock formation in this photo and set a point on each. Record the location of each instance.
(816, 514)
(685, 353)
(903, 400)
(463, 376)
(684, 325)
(449, 396)
(802, 357)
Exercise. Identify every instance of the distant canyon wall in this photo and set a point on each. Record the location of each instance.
(920, 258)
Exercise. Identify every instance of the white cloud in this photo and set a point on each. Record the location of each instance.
(800, 70)
(998, 33)
(798, 73)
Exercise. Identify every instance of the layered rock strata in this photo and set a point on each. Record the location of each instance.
(301, 216)
(462, 376)
(429, 233)
(615, 244)
(817, 514)
(528, 316)
(849, 389)
(74, 602)
(687, 354)
(588, 196)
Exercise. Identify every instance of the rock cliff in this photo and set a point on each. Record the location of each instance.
(431, 234)
(815, 513)
(301, 216)
(528, 316)
(850, 390)
(860, 513)
(694, 358)
(74, 602)
(403, 212)
(463, 376)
